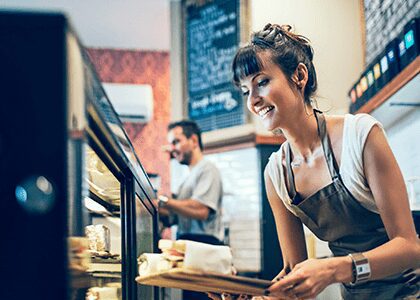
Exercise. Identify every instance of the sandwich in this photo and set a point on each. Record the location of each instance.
(186, 255)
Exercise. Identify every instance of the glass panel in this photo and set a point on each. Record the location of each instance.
(144, 241)
(110, 116)
(102, 183)
(128, 150)
(99, 252)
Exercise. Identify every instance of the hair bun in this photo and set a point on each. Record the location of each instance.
(299, 39)
(286, 27)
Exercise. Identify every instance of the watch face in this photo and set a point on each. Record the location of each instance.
(163, 198)
(363, 269)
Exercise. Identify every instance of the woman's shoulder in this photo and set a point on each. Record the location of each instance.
(359, 121)
(349, 118)
(358, 126)
(350, 123)
(335, 125)
(335, 122)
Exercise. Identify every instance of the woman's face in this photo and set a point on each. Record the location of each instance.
(269, 95)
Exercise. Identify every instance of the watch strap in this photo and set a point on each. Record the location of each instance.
(361, 268)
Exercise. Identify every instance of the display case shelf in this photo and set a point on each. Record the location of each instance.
(112, 208)
(108, 265)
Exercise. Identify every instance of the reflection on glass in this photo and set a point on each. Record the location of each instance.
(101, 181)
(126, 146)
(95, 91)
(144, 241)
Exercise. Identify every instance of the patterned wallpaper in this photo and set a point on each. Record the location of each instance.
(142, 67)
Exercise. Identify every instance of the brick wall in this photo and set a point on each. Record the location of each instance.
(241, 205)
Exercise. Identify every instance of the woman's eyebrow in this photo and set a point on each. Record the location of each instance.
(252, 78)
(255, 76)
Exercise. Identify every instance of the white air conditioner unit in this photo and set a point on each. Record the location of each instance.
(132, 102)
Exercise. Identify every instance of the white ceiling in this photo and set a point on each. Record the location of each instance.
(119, 24)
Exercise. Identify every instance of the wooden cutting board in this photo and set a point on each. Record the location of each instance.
(199, 281)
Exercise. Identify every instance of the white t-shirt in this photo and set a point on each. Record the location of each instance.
(355, 132)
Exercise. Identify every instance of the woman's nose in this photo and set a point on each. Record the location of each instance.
(254, 97)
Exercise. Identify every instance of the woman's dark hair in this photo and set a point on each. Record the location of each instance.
(188, 129)
(287, 51)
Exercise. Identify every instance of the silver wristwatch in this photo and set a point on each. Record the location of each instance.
(361, 268)
(162, 201)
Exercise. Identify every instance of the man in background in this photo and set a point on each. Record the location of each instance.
(197, 207)
(198, 204)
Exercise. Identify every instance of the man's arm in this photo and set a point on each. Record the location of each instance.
(204, 199)
(189, 208)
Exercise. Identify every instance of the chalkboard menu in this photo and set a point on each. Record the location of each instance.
(384, 20)
(212, 38)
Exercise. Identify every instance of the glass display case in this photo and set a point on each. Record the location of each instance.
(77, 204)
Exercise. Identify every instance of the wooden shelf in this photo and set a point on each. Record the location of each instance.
(269, 140)
(399, 81)
(248, 141)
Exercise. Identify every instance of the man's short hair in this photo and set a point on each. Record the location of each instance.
(188, 129)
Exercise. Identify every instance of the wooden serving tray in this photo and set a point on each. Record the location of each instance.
(199, 281)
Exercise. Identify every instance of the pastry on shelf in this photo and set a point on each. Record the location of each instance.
(99, 237)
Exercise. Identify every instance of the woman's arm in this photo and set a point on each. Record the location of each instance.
(384, 177)
(388, 188)
(289, 229)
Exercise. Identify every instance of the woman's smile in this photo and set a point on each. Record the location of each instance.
(265, 111)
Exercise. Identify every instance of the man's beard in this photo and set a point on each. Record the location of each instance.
(186, 158)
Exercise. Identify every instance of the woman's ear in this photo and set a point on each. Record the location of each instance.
(300, 77)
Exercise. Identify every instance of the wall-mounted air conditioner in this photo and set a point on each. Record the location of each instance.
(132, 102)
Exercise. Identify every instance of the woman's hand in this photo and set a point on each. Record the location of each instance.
(226, 296)
(286, 295)
(306, 280)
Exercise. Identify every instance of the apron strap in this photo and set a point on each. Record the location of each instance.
(326, 144)
(290, 176)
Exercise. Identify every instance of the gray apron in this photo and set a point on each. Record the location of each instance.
(334, 215)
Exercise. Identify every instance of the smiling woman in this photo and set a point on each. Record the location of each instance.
(276, 58)
(284, 48)
(334, 174)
